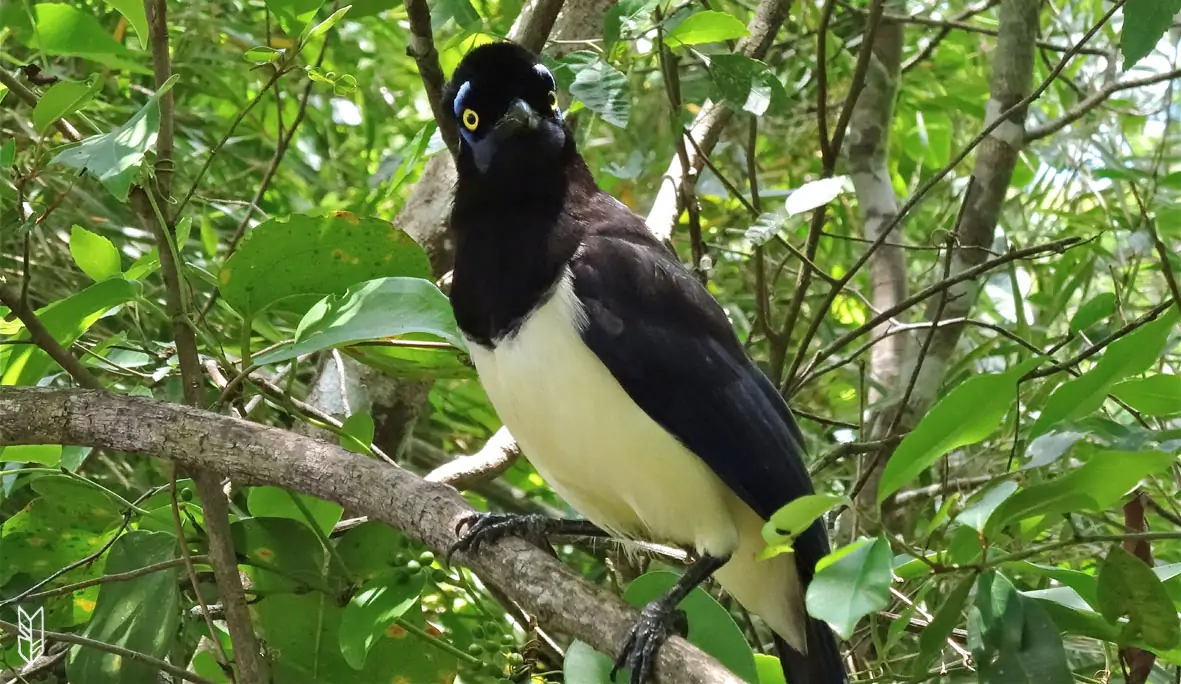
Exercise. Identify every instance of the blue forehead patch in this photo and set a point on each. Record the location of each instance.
(462, 93)
(540, 69)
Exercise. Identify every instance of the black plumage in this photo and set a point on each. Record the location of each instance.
(528, 219)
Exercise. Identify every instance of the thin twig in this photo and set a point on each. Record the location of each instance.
(44, 339)
(1094, 100)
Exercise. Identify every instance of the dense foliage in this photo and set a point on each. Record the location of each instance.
(1003, 486)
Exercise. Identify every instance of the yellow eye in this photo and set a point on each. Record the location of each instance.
(471, 120)
(553, 100)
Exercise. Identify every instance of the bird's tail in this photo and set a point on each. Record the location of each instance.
(822, 663)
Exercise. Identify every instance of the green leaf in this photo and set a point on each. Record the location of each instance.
(1097, 485)
(141, 614)
(710, 626)
(209, 236)
(793, 518)
(585, 665)
(854, 585)
(1145, 21)
(705, 27)
(94, 254)
(114, 157)
(746, 83)
(136, 16)
(947, 617)
(315, 256)
(65, 29)
(262, 55)
(294, 14)
(62, 99)
(600, 86)
(8, 154)
(274, 502)
(966, 415)
(981, 507)
(46, 454)
(1096, 309)
(770, 669)
(379, 309)
(66, 320)
(375, 606)
(1156, 395)
(1130, 355)
(312, 32)
(1129, 588)
(358, 432)
(411, 156)
(1012, 639)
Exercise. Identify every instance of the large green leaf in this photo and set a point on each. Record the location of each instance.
(66, 29)
(136, 16)
(141, 614)
(600, 86)
(966, 415)
(1012, 639)
(379, 309)
(66, 320)
(94, 254)
(1097, 485)
(981, 507)
(371, 611)
(274, 502)
(1155, 395)
(710, 626)
(1128, 588)
(746, 83)
(313, 256)
(1130, 355)
(62, 99)
(852, 586)
(114, 158)
(1096, 309)
(585, 665)
(705, 27)
(1145, 21)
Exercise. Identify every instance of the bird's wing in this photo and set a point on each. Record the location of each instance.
(670, 346)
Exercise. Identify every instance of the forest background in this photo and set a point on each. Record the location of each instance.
(947, 230)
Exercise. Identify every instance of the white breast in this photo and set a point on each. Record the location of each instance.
(618, 467)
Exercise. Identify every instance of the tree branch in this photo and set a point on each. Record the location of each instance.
(207, 442)
(707, 126)
(497, 455)
(247, 655)
(422, 49)
(1094, 100)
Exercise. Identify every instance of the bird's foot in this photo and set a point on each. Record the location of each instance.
(483, 528)
(658, 621)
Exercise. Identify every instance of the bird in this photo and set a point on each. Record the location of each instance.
(619, 375)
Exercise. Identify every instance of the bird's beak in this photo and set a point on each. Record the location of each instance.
(519, 115)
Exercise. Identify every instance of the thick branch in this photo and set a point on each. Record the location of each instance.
(256, 454)
(869, 136)
(498, 455)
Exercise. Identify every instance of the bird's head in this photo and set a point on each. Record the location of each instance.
(505, 103)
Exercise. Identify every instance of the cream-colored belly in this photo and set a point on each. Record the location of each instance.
(616, 466)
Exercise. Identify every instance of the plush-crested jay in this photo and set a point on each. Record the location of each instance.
(617, 373)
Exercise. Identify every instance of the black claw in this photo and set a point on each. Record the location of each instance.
(658, 621)
(484, 528)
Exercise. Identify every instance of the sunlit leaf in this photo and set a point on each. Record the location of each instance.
(1156, 395)
(967, 414)
(62, 99)
(600, 86)
(705, 27)
(855, 585)
(814, 194)
(136, 16)
(94, 254)
(375, 606)
(114, 157)
(1127, 356)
